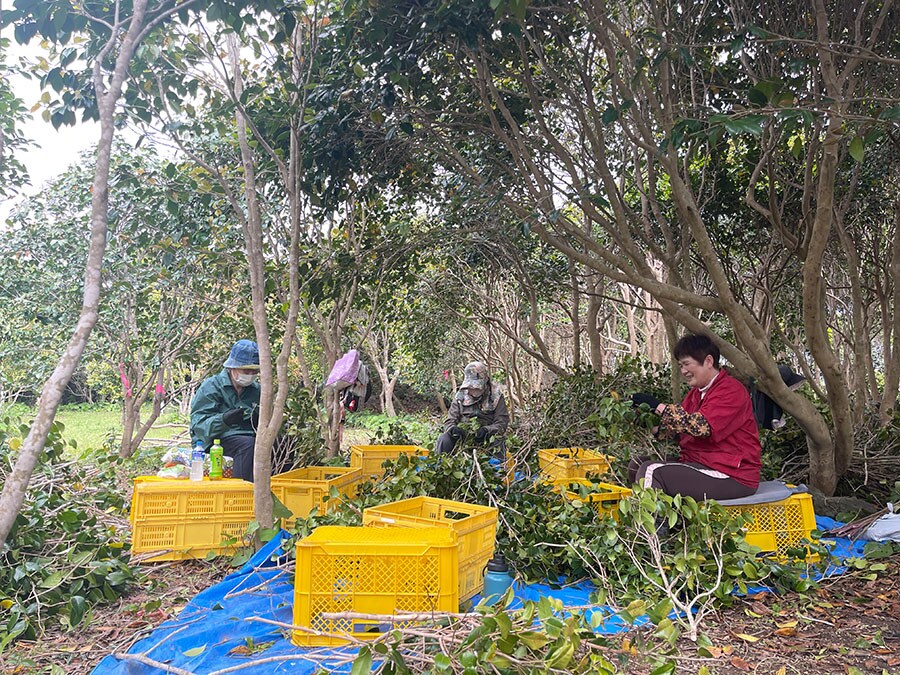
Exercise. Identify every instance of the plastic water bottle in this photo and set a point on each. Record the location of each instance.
(197, 462)
(215, 461)
(496, 580)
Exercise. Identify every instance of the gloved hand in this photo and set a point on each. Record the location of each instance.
(638, 399)
(254, 418)
(456, 433)
(482, 436)
(233, 417)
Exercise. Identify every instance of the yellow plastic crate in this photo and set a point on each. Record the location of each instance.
(475, 526)
(301, 490)
(557, 463)
(778, 526)
(372, 570)
(183, 519)
(369, 458)
(173, 499)
(186, 540)
(604, 498)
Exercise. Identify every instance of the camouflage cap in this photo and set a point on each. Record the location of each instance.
(476, 376)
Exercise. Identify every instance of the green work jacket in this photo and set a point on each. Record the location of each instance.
(215, 397)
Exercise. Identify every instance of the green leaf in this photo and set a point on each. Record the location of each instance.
(666, 668)
(751, 124)
(875, 550)
(533, 640)
(77, 606)
(890, 113)
(52, 581)
(610, 115)
(362, 664)
(195, 651)
(857, 149)
(267, 534)
(359, 71)
(757, 96)
(279, 510)
(442, 662)
(241, 557)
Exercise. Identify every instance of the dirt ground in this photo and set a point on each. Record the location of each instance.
(850, 625)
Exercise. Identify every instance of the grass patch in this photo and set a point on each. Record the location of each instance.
(91, 427)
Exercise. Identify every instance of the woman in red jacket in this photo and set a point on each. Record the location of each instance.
(715, 427)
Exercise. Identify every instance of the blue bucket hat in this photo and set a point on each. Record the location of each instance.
(244, 354)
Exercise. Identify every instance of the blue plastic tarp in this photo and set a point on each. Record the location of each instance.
(222, 618)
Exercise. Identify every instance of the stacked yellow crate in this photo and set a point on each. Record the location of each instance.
(183, 519)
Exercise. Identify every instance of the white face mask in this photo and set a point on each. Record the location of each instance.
(243, 379)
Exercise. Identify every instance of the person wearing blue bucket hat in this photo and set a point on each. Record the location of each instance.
(226, 406)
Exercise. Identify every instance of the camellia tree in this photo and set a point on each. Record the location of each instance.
(165, 285)
(265, 124)
(695, 151)
(12, 140)
(91, 49)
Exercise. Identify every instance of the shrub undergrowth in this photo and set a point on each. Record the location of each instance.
(66, 551)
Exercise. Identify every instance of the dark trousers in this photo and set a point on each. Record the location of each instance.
(240, 449)
(686, 478)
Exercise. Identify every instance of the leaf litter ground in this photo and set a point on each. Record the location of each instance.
(849, 625)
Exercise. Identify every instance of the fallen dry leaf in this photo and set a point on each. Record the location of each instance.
(746, 638)
(781, 671)
(787, 624)
(760, 608)
(740, 664)
(788, 631)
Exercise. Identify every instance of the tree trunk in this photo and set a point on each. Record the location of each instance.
(892, 332)
(17, 482)
(595, 337)
(388, 392)
(575, 315)
(253, 243)
(334, 423)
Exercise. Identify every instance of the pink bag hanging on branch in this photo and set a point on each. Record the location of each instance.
(350, 377)
(344, 372)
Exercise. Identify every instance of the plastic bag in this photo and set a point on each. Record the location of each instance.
(174, 471)
(886, 528)
(344, 372)
(175, 456)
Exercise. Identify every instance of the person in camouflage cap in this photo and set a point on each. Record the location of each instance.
(480, 398)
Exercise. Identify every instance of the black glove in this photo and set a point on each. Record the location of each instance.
(456, 433)
(233, 417)
(483, 435)
(652, 401)
(254, 418)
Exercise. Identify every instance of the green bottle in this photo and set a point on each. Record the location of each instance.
(215, 460)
